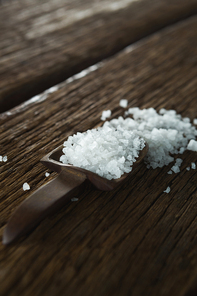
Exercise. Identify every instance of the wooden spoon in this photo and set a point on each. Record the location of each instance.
(53, 195)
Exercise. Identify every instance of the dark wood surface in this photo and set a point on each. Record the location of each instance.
(135, 240)
(44, 42)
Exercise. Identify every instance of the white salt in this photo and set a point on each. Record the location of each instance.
(74, 199)
(195, 121)
(167, 189)
(47, 174)
(26, 186)
(5, 158)
(166, 133)
(193, 165)
(188, 168)
(176, 167)
(105, 114)
(123, 103)
(192, 145)
(179, 161)
(111, 150)
(182, 149)
(106, 151)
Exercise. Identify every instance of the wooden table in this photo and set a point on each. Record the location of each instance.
(135, 240)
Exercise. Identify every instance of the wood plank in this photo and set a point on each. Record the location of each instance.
(44, 42)
(135, 240)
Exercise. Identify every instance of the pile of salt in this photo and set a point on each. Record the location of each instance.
(166, 133)
(106, 151)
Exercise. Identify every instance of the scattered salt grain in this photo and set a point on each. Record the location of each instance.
(47, 174)
(195, 121)
(170, 172)
(192, 145)
(176, 166)
(123, 103)
(167, 189)
(182, 149)
(193, 165)
(26, 186)
(188, 168)
(74, 199)
(5, 159)
(175, 169)
(105, 114)
(106, 151)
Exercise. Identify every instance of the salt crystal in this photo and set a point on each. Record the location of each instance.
(170, 172)
(192, 145)
(167, 189)
(182, 149)
(175, 169)
(123, 103)
(179, 161)
(26, 186)
(188, 168)
(5, 158)
(195, 121)
(193, 165)
(47, 174)
(74, 199)
(105, 114)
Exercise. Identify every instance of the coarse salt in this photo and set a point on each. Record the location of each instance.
(47, 174)
(74, 199)
(26, 186)
(123, 103)
(166, 133)
(195, 121)
(176, 167)
(167, 189)
(192, 145)
(105, 114)
(106, 151)
(3, 158)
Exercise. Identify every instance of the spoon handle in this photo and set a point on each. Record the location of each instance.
(46, 200)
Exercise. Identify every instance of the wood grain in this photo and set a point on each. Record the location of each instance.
(44, 42)
(136, 240)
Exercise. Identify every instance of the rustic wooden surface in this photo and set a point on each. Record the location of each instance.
(135, 240)
(45, 42)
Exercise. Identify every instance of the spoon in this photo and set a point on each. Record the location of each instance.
(53, 195)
